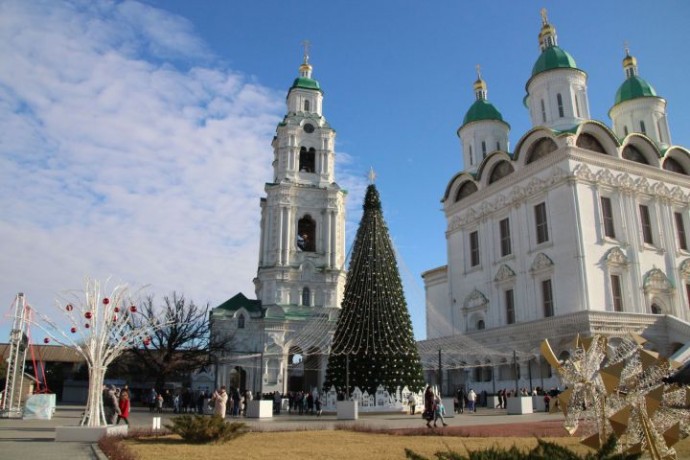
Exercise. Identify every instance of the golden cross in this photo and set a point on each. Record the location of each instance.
(306, 44)
(544, 19)
(372, 175)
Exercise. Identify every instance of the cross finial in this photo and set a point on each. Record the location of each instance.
(626, 47)
(479, 71)
(544, 19)
(372, 175)
(306, 44)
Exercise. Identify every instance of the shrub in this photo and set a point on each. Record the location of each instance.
(543, 451)
(198, 429)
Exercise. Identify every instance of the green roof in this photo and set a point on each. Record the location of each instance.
(239, 301)
(632, 88)
(305, 83)
(553, 57)
(481, 110)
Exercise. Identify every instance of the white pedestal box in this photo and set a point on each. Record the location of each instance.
(260, 409)
(538, 404)
(347, 410)
(492, 402)
(88, 433)
(520, 405)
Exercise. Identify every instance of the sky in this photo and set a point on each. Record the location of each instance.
(136, 135)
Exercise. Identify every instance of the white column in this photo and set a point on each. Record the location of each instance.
(334, 239)
(328, 224)
(281, 226)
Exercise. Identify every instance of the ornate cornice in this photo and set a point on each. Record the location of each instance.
(505, 273)
(656, 281)
(616, 257)
(541, 263)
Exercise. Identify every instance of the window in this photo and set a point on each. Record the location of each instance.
(646, 223)
(559, 99)
(642, 128)
(471, 157)
(547, 298)
(577, 106)
(543, 112)
(480, 325)
(240, 322)
(306, 234)
(504, 229)
(607, 216)
(540, 223)
(306, 297)
(687, 293)
(306, 105)
(510, 307)
(656, 309)
(307, 160)
(625, 130)
(483, 149)
(498, 146)
(474, 249)
(680, 230)
(616, 293)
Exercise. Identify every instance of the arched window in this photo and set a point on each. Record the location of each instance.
(674, 166)
(471, 156)
(540, 149)
(559, 99)
(501, 170)
(625, 130)
(306, 105)
(589, 142)
(307, 159)
(480, 325)
(466, 189)
(643, 130)
(240, 322)
(306, 234)
(306, 297)
(657, 310)
(498, 145)
(483, 149)
(630, 152)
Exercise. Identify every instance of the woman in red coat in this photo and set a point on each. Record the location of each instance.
(124, 408)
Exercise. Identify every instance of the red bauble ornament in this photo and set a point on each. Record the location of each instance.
(115, 319)
(46, 340)
(69, 307)
(88, 315)
(147, 342)
(73, 330)
(116, 310)
(106, 301)
(87, 325)
(133, 308)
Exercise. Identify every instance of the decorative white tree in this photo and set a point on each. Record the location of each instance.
(100, 328)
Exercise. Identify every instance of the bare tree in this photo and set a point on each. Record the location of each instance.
(181, 341)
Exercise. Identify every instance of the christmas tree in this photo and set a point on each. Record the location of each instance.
(373, 343)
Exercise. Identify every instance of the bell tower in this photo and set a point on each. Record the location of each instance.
(302, 244)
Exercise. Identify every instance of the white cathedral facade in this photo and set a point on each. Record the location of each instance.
(301, 276)
(582, 228)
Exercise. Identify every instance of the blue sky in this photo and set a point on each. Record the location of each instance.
(136, 135)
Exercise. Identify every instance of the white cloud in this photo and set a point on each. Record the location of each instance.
(129, 153)
(117, 160)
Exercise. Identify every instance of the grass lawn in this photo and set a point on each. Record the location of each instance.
(336, 445)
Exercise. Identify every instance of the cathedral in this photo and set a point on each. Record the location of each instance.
(581, 228)
(280, 340)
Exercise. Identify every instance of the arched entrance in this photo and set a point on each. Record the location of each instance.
(238, 378)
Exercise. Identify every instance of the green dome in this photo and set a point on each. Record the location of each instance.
(305, 83)
(481, 110)
(553, 57)
(632, 88)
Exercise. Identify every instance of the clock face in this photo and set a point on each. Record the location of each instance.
(309, 128)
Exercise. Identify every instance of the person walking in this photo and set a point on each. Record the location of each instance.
(412, 401)
(124, 408)
(471, 401)
(428, 406)
(220, 400)
(439, 411)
